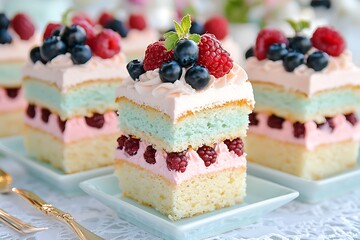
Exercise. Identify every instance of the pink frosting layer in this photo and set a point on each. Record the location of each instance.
(8, 104)
(195, 167)
(314, 136)
(76, 128)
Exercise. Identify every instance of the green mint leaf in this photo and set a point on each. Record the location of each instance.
(293, 24)
(298, 26)
(65, 16)
(195, 37)
(179, 30)
(186, 23)
(170, 41)
(304, 24)
(168, 34)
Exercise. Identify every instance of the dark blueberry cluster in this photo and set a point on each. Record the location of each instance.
(117, 26)
(5, 37)
(71, 39)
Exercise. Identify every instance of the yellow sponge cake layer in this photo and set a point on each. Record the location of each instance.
(12, 123)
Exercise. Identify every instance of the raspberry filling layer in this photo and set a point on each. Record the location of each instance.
(11, 99)
(73, 129)
(177, 167)
(310, 134)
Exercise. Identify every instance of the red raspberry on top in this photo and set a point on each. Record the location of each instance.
(328, 40)
(106, 44)
(213, 56)
(218, 26)
(177, 161)
(155, 55)
(137, 21)
(265, 39)
(23, 26)
(104, 18)
(82, 16)
(50, 28)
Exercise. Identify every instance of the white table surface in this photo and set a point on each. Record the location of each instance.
(337, 218)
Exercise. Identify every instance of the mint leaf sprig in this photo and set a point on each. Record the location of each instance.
(298, 26)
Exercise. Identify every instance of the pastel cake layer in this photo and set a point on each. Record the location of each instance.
(10, 74)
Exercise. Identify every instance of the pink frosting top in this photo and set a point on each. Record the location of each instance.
(314, 136)
(76, 128)
(195, 167)
(8, 104)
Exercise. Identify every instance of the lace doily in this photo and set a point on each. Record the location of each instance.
(337, 218)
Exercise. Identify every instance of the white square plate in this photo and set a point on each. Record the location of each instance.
(262, 198)
(68, 183)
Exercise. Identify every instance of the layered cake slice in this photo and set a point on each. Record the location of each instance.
(307, 93)
(17, 37)
(183, 114)
(70, 87)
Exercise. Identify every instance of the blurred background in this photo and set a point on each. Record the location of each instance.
(245, 17)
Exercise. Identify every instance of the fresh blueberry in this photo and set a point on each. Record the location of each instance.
(277, 52)
(73, 35)
(35, 55)
(249, 53)
(300, 44)
(135, 69)
(321, 3)
(292, 60)
(57, 31)
(118, 26)
(80, 54)
(186, 52)
(317, 60)
(5, 36)
(197, 77)
(170, 71)
(51, 48)
(4, 21)
(197, 28)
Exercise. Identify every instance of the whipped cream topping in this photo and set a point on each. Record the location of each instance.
(137, 40)
(62, 72)
(8, 104)
(340, 71)
(225, 160)
(176, 99)
(314, 136)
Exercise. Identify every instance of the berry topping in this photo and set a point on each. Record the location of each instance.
(82, 17)
(30, 111)
(35, 55)
(249, 53)
(265, 39)
(207, 154)
(218, 26)
(277, 52)
(170, 71)
(300, 44)
(121, 141)
(149, 155)
(5, 37)
(213, 56)
(45, 114)
(80, 54)
(330, 122)
(104, 18)
(131, 146)
(50, 29)
(96, 121)
(292, 60)
(177, 161)
(4, 21)
(196, 28)
(197, 77)
(351, 118)
(61, 123)
(320, 3)
(137, 21)
(328, 40)
(51, 48)
(117, 26)
(23, 26)
(89, 30)
(299, 130)
(253, 121)
(73, 35)
(275, 121)
(235, 146)
(12, 92)
(106, 44)
(317, 60)
(186, 52)
(155, 55)
(135, 69)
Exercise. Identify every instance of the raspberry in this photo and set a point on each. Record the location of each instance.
(351, 118)
(299, 130)
(207, 154)
(149, 155)
(235, 145)
(104, 18)
(90, 31)
(177, 161)
(265, 39)
(12, 92)
(253, 121)
(96, 121)
(330, 122)
(275, 121)
(121, 141)
(328, 40)
(61, 124)
(106, 44)
(23, 26)
(155, 55)
(137, 21)
(82, 17)
(30, 111)
(45, 114)
(213, 56)
(50, 28)
(218, 26)
(132, 145)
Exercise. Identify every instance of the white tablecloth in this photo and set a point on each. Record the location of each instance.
(333, 219)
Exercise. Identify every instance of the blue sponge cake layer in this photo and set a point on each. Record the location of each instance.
(206, 127)
(10, 74)
(295, 106)
(82, 100)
